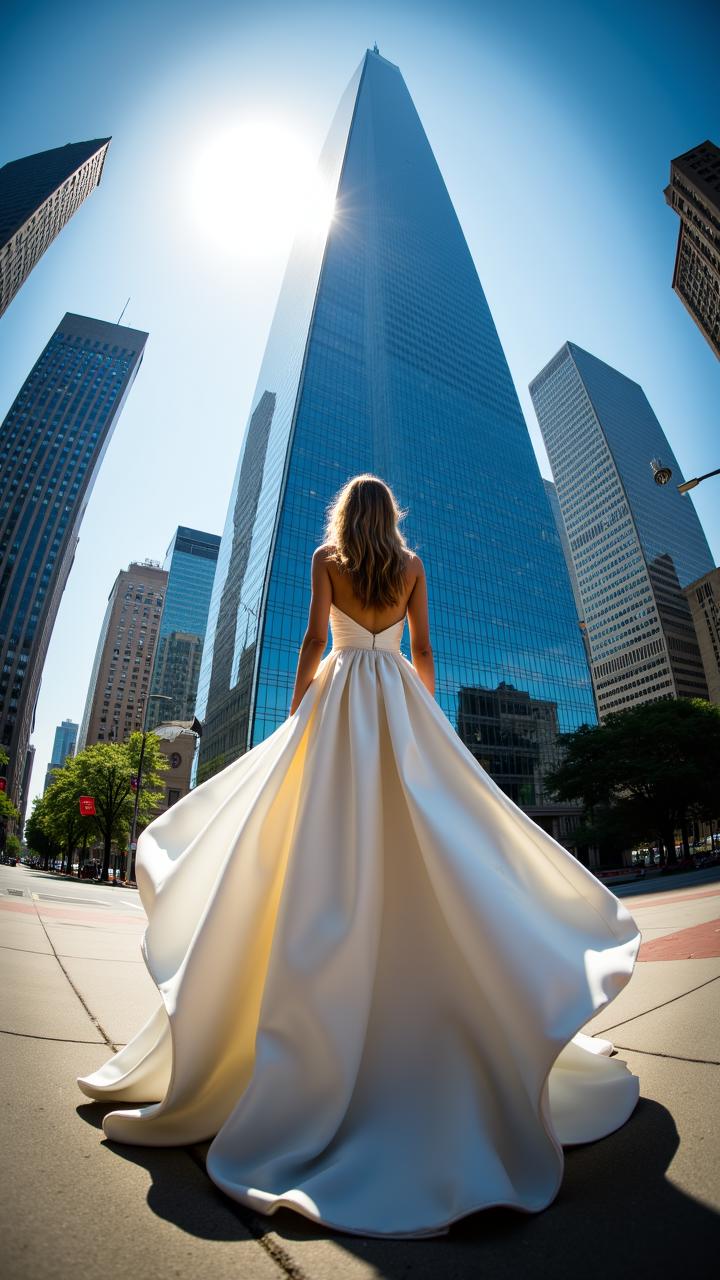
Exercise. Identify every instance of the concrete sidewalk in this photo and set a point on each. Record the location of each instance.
(74, 987)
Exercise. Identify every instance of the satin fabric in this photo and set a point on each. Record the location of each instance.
(373, 966)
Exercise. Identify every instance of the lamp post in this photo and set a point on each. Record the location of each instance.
(690, 484)
(662, 475)
(164, 697)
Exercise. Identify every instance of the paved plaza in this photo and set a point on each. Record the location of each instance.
(644, 1201)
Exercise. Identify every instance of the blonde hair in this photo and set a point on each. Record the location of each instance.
(362, 526)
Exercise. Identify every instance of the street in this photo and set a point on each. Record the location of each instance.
(74, 987)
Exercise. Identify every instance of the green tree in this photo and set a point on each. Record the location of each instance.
(62, 819)
(646, 770)
(37, 839)
(104, 771)
(13, 846)
(8, 812)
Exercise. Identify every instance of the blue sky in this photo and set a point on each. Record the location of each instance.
(554, 126)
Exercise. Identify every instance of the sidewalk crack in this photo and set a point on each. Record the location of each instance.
(29, 1035)
(95, 1021)
(675, 1057)
(259, 1230)
(623, 1022)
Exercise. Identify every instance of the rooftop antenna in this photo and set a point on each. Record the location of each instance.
(122, 313)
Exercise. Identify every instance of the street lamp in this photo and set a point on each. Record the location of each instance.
(661, 475)
(690, 484)
(164, 697)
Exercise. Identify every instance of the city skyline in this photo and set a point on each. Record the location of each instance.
(119, 684)
(54, 439)
(190, 565)
(511, 105)
(38, 196)
(634, 544)
(383, 357)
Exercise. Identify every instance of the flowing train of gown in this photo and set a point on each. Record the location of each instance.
(373, 966)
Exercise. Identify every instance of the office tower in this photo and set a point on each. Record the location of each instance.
(190, 564)
(383, 356)
(551, 492)
(63, 748)
(24, 795)
(38, 195)
(120, 680)
(694, 193)
(634, 544)
(52, 443)
(704, 599)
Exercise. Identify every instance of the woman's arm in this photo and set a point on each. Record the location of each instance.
(315, 639)
(420, 648)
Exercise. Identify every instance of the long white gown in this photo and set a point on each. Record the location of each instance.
(373, 967)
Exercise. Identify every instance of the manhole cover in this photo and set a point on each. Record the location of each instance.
(16, 893)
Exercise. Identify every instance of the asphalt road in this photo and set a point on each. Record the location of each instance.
(44, 886)
(47, 887)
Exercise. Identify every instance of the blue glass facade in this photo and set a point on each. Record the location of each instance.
(634, 544)
(190, 565)
(402, 374)
(63, 746)
(52, 443)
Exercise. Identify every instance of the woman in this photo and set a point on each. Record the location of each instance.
(372, 963)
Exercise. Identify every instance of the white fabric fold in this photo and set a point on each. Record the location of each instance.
(373, 966)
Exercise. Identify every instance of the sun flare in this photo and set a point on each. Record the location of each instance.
(254, 186)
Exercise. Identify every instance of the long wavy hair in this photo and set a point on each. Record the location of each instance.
(362, 526)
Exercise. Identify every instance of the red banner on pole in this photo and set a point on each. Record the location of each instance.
(3, 784)
(87, 806)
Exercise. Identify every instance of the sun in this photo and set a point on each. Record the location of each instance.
(254, 186)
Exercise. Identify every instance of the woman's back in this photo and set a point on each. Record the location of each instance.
(344, 596)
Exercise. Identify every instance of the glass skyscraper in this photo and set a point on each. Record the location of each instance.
(190, 565)
(63, 747)
(38, 195)
(634, 544)
(52, 444)
(383, 356)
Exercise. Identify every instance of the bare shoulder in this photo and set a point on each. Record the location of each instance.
(324, 554)
(415, 566)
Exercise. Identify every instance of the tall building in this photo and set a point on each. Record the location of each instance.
(704, 599)
(38, 195)
(383, 356)
(24, 795)
(63, 748)
(120, 680)
(52, 444)
(634, 545)
(694, 193)
(190, 564)
(551, 492)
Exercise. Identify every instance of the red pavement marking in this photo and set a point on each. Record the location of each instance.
(659, 898)
(699, 942)
(84, 914)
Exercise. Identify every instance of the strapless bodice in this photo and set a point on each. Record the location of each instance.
(349, 634)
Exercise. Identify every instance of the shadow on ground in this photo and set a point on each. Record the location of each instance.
(617, 1214)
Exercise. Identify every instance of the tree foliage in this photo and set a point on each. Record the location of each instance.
(36, 837)
(644, 771)
(62, 819)
(8, 812)
(105, 772)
